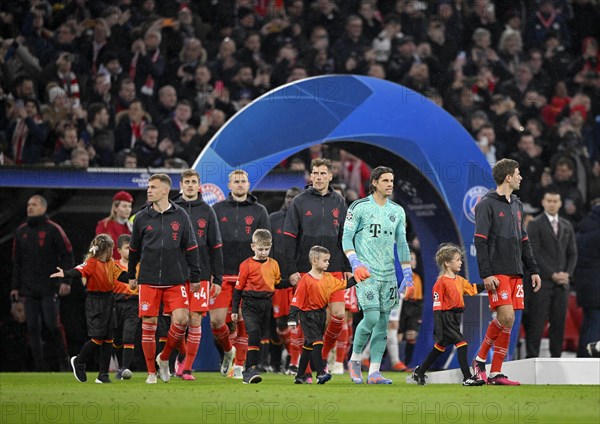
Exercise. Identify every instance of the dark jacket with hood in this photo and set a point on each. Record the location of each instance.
(208, 235)
(237, 222)
(501, 240)
(163, 244)
(313, 219)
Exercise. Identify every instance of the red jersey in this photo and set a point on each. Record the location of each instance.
(114, 230)
(448, 293)
(100, 276)
(312, 294)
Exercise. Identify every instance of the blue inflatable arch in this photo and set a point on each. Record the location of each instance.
(439, 170)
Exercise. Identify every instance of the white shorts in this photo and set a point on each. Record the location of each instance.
(395, 313)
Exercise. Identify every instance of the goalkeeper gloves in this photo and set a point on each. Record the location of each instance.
(406, 287)
(360, 270)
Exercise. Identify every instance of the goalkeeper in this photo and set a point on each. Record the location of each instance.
(374, 227)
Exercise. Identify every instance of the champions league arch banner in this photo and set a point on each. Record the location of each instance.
(439, 171)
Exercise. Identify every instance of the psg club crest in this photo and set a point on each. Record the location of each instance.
(471, 199)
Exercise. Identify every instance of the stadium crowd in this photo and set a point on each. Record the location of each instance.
(140, 83)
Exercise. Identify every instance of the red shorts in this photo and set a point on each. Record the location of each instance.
(199, 301)
(282, 299)
(224, 298)
(172, 298)
(508, 292)
(350, 299)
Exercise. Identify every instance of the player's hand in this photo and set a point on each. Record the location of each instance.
(234, 317)
(59, 274)
(361, 271)
(406, 287)
(409, 293)
(536, 282)
(215, 289)
(133, 285)
(194, 287)
(294, 278)
(492, 282)
(64, 289)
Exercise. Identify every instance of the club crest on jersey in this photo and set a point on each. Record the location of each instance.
(336, 213)
(392, 218)
(201, 223)
(249, 220)
(144, 306)
(472, 197)
(175, 226)
(370, 296)
(504, 294)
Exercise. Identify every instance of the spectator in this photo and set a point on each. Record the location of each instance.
(149, 151)
(530, 165)
(130, 125)
(172, 128)
(546, 19)
(80, 158)
(382, 44)
(147, 64)
(25, 135)
(68, 143)
(117, 223)
(61, 73)
(165, 107)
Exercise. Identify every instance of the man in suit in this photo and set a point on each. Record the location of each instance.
(553, 242)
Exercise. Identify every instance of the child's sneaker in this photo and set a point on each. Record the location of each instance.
(251, 376)
(473, 381)
(126, 374)
(119, 374)
(187, 376)
(103, 379)
(337, 369)
(502, 380)
(377, 378)
(421, 379)
(300, 380)
(78, 370)
(479, 370)
(323, 378)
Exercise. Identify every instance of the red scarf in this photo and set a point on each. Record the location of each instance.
(148, 88)
(18, 141)
(71, 87)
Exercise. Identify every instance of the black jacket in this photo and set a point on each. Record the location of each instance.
(208, 235)
(313, 219)
(587, 272)
(39, 246)
(552, 253)
(501, 241)
(277, 220)
(237, 222)
(163, 243)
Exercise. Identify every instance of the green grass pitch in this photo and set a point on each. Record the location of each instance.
(58, 398)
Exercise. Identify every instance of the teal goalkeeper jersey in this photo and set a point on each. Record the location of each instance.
(374, 232)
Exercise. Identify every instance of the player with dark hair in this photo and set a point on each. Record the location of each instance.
(502, 247)
(206, 228)
(376, 226)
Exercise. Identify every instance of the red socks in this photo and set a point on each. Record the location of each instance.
(193, 342)
(341, 346)
(491, 335)
(222, 336)
(149, 346)
(176, 334)
(500, 350)
(335, 327)
(241, 344)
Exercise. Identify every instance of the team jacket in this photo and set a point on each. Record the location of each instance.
(277, 220)
(312, 294)
(39, 246)
(163, 243)
(208, 235)
(257, 280)
(500, 239)
(237, 222)
(312, 220)
(99, 277)
(448, 293)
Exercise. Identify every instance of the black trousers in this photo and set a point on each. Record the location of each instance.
(548, 304)
(45, 308)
